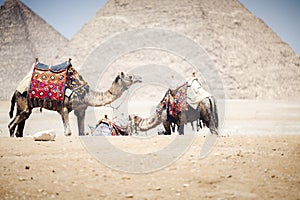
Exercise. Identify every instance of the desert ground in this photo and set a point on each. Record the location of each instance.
(259, 159)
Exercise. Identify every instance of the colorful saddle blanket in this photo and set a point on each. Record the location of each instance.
(175, 101)
(180, 96)
(48, 85)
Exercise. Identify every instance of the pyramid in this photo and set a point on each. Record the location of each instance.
(253, 61)
(24, 36)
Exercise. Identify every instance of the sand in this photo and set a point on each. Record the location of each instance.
(258, 160)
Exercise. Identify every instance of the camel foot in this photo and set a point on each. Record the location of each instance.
(224, 135)
(19, 134)
(68, 134)
(81, 134)
(11, 131)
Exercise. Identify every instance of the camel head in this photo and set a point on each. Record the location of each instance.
(134, 122)
(123, 81)
(129, 79)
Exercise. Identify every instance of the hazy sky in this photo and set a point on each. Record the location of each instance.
(68, 16)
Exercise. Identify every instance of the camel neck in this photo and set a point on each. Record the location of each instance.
(95, 98)
(150, 122)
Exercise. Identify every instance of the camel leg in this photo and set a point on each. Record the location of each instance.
(181, 129)
(18, 121)
(80, 114)
(12, 125)
(192, 124)
(180, 120)
(208, 118)
(20, 129)
(166, 125)
(212, 123)
(212, 127)
(173, 127)
(199, 124)
(65, 118)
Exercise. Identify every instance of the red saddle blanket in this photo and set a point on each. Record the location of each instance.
(175, 103)
(47, 88)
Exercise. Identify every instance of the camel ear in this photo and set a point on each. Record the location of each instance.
(117, 79)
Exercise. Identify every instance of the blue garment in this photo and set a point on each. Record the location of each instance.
(102, 129)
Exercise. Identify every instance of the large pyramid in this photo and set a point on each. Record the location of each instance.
(24, 36)
(252, 60)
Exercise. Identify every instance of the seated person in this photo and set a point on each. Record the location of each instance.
(102, 128)
(107, 127)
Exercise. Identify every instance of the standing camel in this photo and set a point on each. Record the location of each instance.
(78, 100)
(203, 109)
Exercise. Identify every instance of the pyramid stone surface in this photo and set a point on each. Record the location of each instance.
(24, 36)
(252, 60)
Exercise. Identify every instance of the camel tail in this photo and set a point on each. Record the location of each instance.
(214, 111)
(12, 106)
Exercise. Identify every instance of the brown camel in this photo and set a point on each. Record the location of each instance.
(79, 100)
(203, 110)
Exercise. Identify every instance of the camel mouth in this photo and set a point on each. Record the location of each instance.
(136, 79)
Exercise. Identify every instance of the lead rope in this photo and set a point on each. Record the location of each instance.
(118, 106)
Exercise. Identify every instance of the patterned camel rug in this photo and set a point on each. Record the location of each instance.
(48, 85)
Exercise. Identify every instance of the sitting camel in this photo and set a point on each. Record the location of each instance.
(201, 106)
(79, 97)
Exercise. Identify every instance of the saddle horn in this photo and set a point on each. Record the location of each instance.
(36, 60)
